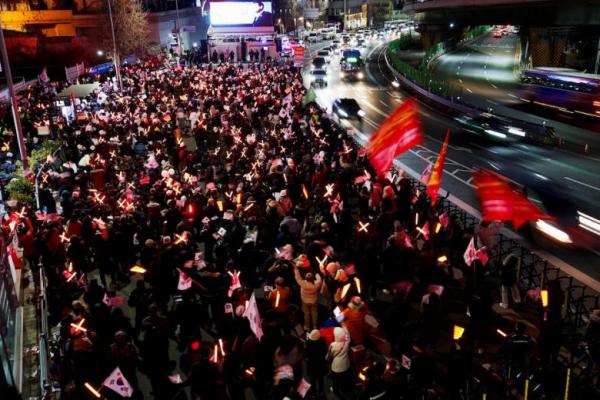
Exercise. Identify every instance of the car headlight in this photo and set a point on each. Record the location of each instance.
(553, 231)
(395, 84)
(342, 112)
(360, 75)
(361, 113)
(494, 133)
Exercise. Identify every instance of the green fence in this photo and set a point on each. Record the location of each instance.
(420, 76)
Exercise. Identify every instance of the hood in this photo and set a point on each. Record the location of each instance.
(339, 334)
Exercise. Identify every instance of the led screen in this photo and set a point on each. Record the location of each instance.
(241, 13)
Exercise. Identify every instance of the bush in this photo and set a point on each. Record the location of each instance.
(421, 77)
(39, 156)
(21, 190)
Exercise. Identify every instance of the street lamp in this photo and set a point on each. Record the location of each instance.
(100, 53)
(178, 27)
(115, 53)
(451, 25)
(13, 102)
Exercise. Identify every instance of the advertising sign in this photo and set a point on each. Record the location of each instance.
(298, 55)
(241, 13)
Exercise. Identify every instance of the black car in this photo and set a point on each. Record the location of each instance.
(347, 108)
(506, 130)
(319, 62)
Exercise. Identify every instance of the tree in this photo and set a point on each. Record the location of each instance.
(132, 34)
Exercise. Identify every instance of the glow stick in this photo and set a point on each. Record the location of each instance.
(457, 332)
(345, 290)
(544, 296)
(357, 282)
(221, 347)
(137, 269)
(92, 390)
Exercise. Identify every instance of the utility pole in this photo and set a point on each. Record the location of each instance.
(13, 102)
(345, 11)
(178, 27)
(116, 59)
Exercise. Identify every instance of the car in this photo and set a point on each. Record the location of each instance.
(319, 62)
(314, 37)
(318, 78)
(507, 130)
(575, 223)
(347, 108)
(323, 53)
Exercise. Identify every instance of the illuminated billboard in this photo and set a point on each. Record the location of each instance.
(241, 13)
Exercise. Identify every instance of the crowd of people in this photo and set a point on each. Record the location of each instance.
(223, 191)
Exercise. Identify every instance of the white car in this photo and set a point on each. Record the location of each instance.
(318, 78)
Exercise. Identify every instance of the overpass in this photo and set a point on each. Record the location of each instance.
(544, 24)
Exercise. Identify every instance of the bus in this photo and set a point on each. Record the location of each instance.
(351, 65)
(562, 89)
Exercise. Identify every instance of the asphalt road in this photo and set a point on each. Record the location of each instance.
(378, 99)
(485, 71)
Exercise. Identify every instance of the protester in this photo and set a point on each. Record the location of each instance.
(508, 276)
(227, 212)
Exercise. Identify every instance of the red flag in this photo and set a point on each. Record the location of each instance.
(501, 200)
(482, 255)
(435, 179)
(398, 133)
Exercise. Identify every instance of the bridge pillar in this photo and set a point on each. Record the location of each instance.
(546, 47)
(432, 35)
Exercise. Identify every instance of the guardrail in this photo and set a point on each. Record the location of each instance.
(535, 272)
(45, 385)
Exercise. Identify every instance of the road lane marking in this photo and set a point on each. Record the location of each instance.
(371, 106)
(491, 101)
(494, 86)
(469, 90)
(582, 183)
(483, 148)
(384, 103)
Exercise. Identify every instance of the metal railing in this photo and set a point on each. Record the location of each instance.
(45, 384)
(536, 272)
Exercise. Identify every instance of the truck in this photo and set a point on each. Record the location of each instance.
(351, 65)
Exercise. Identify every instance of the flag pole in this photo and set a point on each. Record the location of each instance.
(13, 101)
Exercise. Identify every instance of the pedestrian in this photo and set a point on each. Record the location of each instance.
(316, 353)
(508, 278)
(339, 359)
(310, 287)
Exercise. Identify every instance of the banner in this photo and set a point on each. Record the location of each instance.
(74, 72)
